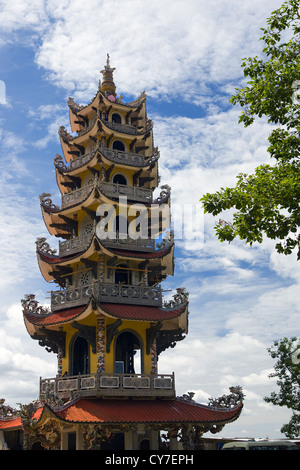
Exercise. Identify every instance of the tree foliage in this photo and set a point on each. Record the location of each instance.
(287, 371)
(266, 203)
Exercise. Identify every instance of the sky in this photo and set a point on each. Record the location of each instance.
(187, 56)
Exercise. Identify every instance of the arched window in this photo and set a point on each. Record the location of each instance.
(116, 118)
(79, 356)
(127, 352)
(118, 145)
(120, 179)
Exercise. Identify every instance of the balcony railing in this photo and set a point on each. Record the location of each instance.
(77, 244)
(107, 293)
(114, 155)
(133, 193)
(108, 385)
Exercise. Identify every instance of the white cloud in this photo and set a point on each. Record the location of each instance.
(167, 48)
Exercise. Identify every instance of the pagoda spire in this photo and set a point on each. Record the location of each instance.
(108, 86)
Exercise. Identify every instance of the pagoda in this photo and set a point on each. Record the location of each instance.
(107, 321)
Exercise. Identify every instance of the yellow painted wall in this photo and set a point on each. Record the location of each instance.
(134, 326)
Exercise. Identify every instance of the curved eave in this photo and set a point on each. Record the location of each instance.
(91, 198)
(54, 320)
(137, 255)
(108, 161)
(49, 263)
(74, 115)
(173, 318)
(62, 176)
(140, 135)
(122, 106)
(95, 158)
(51, 216)
(67, 146)
(60, 179)
(162, 257)
(100, 128)
(155, 412)
(100, 100)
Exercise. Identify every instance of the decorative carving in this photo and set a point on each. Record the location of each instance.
(62, 132)
(45, 200)
(51, 340)
(52, 399)
(94, 435)
(111, 332)
(7, 411)
(191, 437)
(30, 305)
(167, 241)
(26, 414)
(188, 397)
(180, 298)
(164, 194)
(168, 339)
(228, 401)
(59, 163)
(43, 246)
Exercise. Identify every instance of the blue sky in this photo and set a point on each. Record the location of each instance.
(186, 55)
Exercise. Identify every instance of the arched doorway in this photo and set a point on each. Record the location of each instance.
(116, 118)
(128, 352)
(145, 444)
(122, 274)
(119, 179)
(80, 357)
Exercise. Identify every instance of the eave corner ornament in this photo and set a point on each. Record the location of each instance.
(235, 398)
(30, 305)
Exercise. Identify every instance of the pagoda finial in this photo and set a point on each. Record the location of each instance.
(108, 86)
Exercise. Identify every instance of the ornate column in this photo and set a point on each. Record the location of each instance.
(100, 344)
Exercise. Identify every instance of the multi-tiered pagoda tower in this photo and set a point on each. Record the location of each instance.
(107, 322)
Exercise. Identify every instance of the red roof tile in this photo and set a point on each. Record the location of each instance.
(144, 411)
(135, 312)
(136, 254)
(62, 316)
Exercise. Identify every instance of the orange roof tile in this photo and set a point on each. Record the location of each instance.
(144, 411)
(16, 423)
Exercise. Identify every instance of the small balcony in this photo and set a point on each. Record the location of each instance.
(107, 293)
(111, 190)
(108, 385)
(77, 244)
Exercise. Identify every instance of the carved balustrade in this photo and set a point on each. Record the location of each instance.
(114, 155)
(101, 385)
(129, 294)
(107, 293)
(133, 193)
(77, 244)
